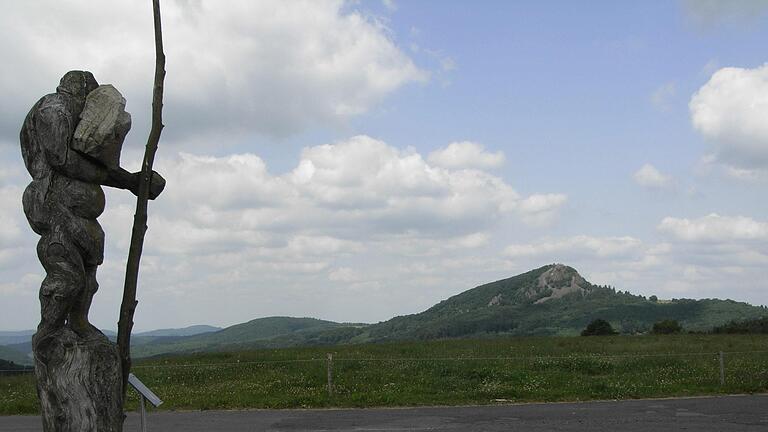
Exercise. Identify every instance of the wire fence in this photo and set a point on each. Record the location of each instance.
(329, 358)
(351, 380)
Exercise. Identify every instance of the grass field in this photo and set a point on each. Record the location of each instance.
(450, 372)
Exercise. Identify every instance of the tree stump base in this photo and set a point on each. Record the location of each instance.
(79, 382)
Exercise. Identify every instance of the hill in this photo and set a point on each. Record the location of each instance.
(14, 337)
(551, 300)
(17, 345)
(261, 332)
(15, 356)
(186, 331)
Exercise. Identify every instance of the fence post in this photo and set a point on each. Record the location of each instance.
(722, 368)
(329, 358)
(143, 411)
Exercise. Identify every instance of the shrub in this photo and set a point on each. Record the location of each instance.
(754, 326)
(666, 327)
(11, 368)
(599, 327)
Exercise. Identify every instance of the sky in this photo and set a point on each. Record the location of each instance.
(358, 160)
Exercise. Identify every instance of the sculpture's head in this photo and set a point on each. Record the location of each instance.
(77, 84)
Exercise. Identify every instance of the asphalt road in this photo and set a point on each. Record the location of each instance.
(715, 414)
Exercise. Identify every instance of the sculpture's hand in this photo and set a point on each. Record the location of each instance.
(156, 184)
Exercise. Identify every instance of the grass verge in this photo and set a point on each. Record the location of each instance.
(450, 372)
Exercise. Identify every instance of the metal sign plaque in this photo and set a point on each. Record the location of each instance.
(144, 390)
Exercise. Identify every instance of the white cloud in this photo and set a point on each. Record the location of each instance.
(353, 188)
(447, 63)
(649, 176)
(625, 262)
(414, 245)
(473, 240)
(320, 245)
(744, 173)
(348, 217)
(398, 189)
(225, 183)
(11, 215)
(730, 111)
(540, 209)
(560, 250)
(466, 154)
(710, 164)
(715, 256)
(390, 5)
(271, 67)
(710, 68)
(701, 259)
(714, 228)
(350, 220)
(713, 13)
(662, 97)
(344, 274)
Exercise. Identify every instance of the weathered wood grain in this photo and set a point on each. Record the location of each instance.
(79, 372)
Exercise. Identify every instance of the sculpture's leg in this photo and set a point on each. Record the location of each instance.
(90, 242)
(64, 280)
(79, 381)
(78, 316)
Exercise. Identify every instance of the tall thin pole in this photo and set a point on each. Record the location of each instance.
(722, 369)
(128, 306)
(143, 409)
(329, 364)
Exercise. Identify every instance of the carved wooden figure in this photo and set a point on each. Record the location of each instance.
(71, 142)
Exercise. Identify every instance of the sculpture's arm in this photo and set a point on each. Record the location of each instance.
(55, 127)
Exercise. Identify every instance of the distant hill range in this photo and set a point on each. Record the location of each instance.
(10, 354)
(174, 332)
(16, 346)
(262, 332)
(15, 337)
(551, 300)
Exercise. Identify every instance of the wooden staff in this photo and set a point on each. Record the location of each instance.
(128, 306)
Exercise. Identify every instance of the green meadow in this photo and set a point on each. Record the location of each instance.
(446, 372)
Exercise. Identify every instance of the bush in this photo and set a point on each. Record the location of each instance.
(666, 327)
(11, 368)
(599, 327)
(753, 326)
